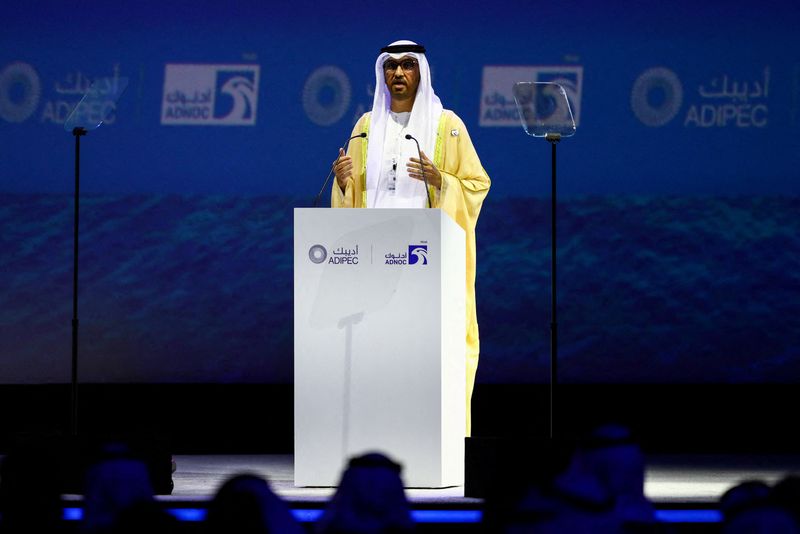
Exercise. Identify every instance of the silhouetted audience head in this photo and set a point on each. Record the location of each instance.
(611, 456)
(575, 501)
(369, 500)
(754, 507)
(113, 485)
(599, 488)
(514, 469)
(744, 495)
(245, 504)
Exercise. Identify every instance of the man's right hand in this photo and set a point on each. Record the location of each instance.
(343, 169)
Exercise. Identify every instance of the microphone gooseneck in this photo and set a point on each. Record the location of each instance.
(344, 148)
(424, 178)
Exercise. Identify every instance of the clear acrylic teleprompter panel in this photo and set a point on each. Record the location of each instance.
(544, 109)
(98, 102)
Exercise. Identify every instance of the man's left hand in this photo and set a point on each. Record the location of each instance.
(416, 169)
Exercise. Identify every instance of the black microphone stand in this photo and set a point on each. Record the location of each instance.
(344, 149)
(73, 421)
(424, 178)
(553, 139)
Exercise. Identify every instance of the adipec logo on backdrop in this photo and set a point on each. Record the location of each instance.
(720, 101)
(210, 95)
(24, 94)
(326, 95)
(20, 91)
(657, 96)
(497, 97)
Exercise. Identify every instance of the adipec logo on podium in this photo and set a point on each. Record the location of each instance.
(317, 254)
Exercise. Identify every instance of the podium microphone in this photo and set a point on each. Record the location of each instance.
(419, 152)
(344, 147)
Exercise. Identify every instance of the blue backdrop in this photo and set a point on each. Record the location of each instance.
(679, 223)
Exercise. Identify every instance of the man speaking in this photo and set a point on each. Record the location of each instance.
(385, 169)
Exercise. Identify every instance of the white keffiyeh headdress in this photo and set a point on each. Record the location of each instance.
(422, 124)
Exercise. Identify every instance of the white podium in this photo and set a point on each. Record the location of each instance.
(379, 343)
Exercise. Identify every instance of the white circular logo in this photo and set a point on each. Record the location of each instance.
(657, 96)
(326, 95)
(317, 254)
(20, 90)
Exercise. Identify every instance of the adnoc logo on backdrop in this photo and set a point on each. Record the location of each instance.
(210, 95)
(497, 97)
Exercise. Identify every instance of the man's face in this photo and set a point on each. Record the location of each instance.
(401, 77)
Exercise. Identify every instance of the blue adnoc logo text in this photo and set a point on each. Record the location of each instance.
(416, 255)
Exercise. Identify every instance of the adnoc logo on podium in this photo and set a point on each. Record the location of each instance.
(210, 95)
(418, 254)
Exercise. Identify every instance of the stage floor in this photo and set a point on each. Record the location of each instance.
(670, 480)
